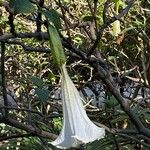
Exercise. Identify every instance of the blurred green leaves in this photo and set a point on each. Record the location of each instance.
(1, 2)
(111, 102)
(41, 91)
(22, 6)
(37, 81)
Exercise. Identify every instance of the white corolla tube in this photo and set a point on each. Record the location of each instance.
(77, 127)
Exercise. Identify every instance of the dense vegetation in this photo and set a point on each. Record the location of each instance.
(109, 62)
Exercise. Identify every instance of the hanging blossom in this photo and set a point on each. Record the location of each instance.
(77, 127)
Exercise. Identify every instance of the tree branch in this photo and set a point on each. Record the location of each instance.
(8, 137)
(27, 128)
(3, 77)
(106, 77)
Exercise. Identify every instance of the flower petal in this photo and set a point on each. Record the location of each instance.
(77, 127)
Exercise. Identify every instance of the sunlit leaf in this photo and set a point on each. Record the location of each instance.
(56, 46)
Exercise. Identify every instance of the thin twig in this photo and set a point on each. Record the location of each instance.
(39, 16)
(134, 139)
(15, 136)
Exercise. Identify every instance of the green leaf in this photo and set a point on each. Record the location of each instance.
(51, 77)
(22, 6)
(120, 118)
(102, 144)
(56, 45)
(37, 81)
(111, 102)
(1, 2)
(53, 17)
(88, 18)
(66, 1)
(43, 94)
(146, 114)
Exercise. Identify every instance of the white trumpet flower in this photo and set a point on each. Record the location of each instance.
(77, 127)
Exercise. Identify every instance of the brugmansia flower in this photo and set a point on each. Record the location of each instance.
(77, 127)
